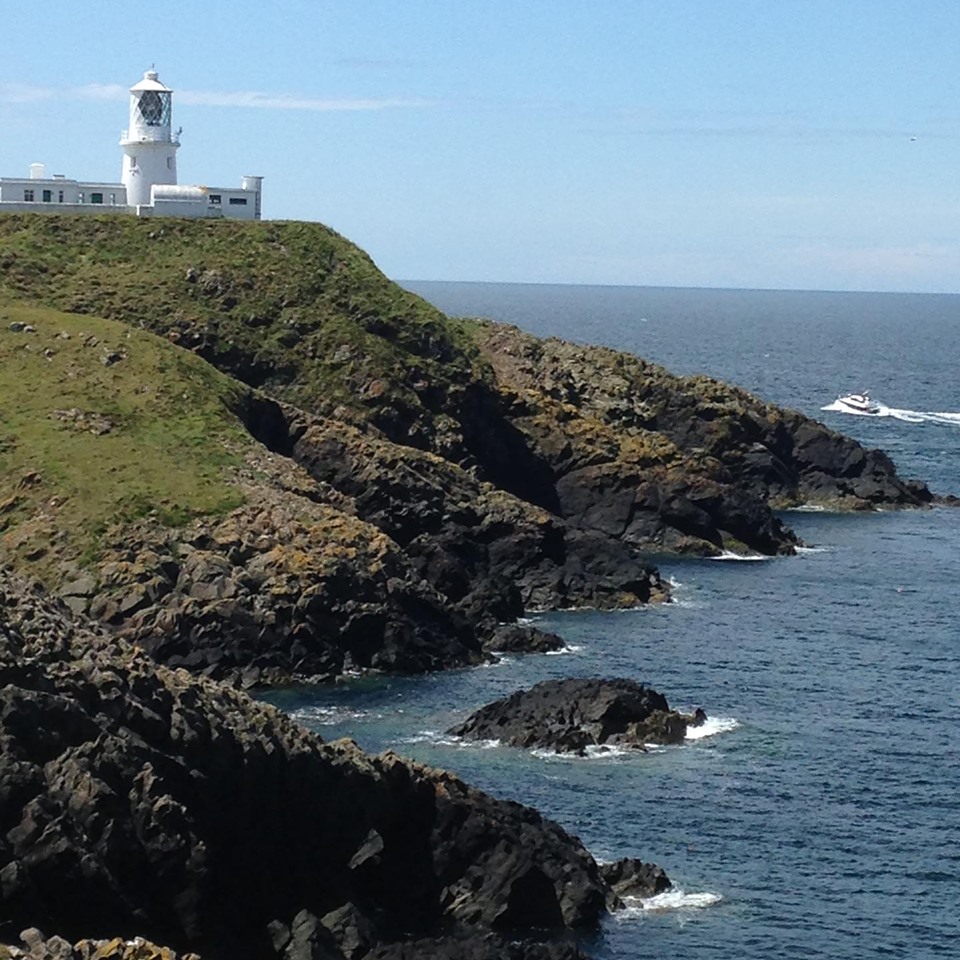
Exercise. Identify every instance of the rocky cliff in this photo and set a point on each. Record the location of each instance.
(242, 446)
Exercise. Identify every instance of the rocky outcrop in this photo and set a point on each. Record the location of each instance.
(286, 587)
(490, 553)
(741, 453)
(386, 558)
(138, 800)
(573, 714)
(34, 945)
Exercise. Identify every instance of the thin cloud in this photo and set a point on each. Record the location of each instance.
(285, 101)
(242, 99)
(24, 93)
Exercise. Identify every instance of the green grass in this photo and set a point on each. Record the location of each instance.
(169, 453)
(270, 303)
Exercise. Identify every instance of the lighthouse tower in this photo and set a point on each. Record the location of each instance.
(149, 146)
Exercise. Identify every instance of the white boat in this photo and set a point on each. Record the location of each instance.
(859, 403)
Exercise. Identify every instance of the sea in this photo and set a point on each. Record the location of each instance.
(817, 814)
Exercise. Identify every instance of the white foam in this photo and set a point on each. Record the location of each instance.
(803, 550)
(634, 908)
(441, 739)
(566, 648)
(743, 557)
(711, 727)
(499, 660)
(332, 714)
(807, 508)
(677, 899)
(594, 751)
(685, 604)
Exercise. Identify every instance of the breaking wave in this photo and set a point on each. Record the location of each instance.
(742, 557)
(711, 727)
(595, 751)
(566, 648)
(673, 899)
(441, 739)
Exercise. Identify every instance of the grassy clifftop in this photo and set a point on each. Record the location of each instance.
(292, 307)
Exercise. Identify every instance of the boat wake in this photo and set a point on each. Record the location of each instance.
(905, 416)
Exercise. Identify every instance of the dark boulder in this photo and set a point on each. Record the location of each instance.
(516, 638)
(630, 877)
(571, 715)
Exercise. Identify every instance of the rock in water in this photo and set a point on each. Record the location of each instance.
(571, 715)
(514, 638)
(634, 878)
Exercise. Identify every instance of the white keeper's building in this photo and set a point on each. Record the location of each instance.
(148, 181)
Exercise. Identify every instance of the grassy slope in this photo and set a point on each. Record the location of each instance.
(170, 447)
(290, 306)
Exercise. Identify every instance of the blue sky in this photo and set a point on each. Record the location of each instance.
(808, 144)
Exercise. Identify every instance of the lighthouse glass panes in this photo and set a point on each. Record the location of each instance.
(154, 107)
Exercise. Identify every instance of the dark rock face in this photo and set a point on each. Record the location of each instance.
(281, 588)
(136, 800)
(491, 554)
(571, 715)
(713, 456)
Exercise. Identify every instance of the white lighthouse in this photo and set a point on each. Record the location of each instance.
(148, 183)
(149, 144)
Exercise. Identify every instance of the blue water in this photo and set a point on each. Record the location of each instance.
(828, 818)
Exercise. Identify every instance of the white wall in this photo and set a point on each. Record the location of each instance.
(14, 190)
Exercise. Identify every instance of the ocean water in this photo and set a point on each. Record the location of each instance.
(820, 814)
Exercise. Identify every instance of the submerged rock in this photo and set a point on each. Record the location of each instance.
(571, 715)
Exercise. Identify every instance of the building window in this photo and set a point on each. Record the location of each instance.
(59, 196)
(215, 198)
(28, 196)
(133, 163)
(96, 198)
(80, 197)
(113, 199)
(238, 201)
(169, 163)
(47, 196)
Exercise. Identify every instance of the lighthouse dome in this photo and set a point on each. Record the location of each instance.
(150, 81)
